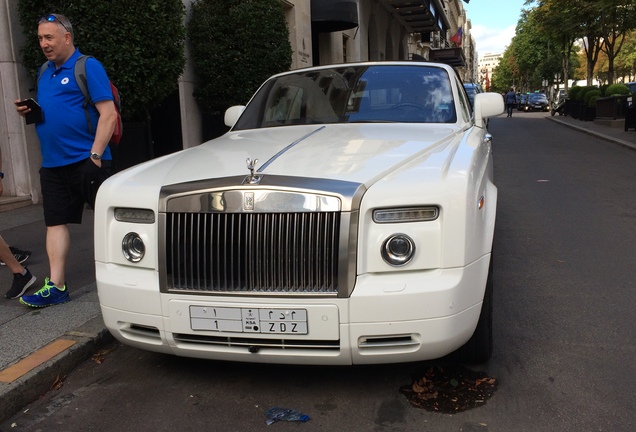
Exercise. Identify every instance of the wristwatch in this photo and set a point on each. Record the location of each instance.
(96, 156)
(1, 175)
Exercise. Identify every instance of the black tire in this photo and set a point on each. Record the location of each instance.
(479, 347)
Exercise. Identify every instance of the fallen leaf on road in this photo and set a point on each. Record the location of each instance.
(98, 357)
(449, 389)
(58, 383)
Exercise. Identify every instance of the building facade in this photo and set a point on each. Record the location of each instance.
(320, 32)
(487, 64)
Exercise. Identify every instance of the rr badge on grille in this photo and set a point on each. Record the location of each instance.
(248, 201)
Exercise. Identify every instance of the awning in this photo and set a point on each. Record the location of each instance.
(450, 56)
(419, 16)
(333, 15)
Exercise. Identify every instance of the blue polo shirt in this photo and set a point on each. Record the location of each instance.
(64, 134)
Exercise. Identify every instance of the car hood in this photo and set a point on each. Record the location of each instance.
(354, 153)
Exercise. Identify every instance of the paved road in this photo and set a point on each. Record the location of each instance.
(564, 300)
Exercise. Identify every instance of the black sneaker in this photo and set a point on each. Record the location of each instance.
(19, 254)
(20, 284)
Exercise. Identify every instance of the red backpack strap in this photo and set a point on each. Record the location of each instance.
(80, 76)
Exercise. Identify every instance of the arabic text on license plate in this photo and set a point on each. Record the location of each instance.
(249, 320)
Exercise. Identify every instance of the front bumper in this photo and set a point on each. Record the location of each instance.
(388, 318)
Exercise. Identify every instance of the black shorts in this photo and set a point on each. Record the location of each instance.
(66, 189)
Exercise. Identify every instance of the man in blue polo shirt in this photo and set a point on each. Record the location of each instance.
(75, 158)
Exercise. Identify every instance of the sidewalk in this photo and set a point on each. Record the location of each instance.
(38, 347)
(612, 134)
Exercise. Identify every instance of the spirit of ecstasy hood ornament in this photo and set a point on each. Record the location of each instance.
(251, 165)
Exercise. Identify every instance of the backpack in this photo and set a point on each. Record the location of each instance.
(80, 76)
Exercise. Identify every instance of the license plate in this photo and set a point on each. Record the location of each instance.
(248, 320)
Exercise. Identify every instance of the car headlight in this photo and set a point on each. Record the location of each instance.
(398, 249)
(133, 247)
(408, 214)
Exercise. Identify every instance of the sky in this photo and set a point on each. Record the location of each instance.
(493, 23)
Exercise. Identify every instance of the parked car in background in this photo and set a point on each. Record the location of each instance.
(632, 90)
(521, 101)
(471, 90)
(536, 102)
(347, 217)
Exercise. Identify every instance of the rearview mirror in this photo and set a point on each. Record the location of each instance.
(487, 105)
(232, 114)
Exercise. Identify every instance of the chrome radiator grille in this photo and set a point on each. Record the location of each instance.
(252, 252)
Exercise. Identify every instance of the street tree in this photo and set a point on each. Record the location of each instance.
(506, 74)
(557, 20)
(536, 54)
(625, 61)
(617, 18)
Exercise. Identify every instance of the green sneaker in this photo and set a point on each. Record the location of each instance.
(48, 295)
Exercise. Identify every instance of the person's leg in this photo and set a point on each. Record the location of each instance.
(60, 207)
(54, 291)
(7, 257)
(22, 277)
(58, 244)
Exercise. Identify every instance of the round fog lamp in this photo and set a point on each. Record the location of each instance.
(133, 248)
(398, 249)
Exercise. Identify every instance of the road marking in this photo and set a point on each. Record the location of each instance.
(29, 363)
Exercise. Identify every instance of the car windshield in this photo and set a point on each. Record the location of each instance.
(353, 94)
(537, 97)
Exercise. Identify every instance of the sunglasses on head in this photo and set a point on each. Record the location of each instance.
(53, 18)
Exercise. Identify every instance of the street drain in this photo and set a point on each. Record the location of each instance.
(449, 389)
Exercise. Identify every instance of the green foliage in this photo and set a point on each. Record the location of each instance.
(561, 23)
(581, 94)
(537, 54)
(592, 102)
(504, 74)
(617, 89)
(591, 96)
(236, 45)
(140, 43)
(574, 92)
(625, 62)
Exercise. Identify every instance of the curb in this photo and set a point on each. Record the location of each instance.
(86, 339)
(593, 133)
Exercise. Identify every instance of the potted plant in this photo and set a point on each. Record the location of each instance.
(613, 104)
(571, 102)
(590, 104)
(581, 107)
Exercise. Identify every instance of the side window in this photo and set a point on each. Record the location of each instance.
(464, 104)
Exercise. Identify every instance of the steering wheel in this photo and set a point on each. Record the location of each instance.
(408, 105)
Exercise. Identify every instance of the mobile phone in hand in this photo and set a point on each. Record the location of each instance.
(35, 115)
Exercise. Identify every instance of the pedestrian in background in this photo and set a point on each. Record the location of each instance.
(511, 101)
(13, 259)
(75, 157)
